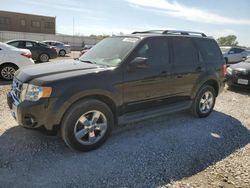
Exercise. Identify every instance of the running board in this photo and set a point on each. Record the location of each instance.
(152, 113)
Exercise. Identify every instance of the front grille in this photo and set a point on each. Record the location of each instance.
(243, 75)
(17, 87)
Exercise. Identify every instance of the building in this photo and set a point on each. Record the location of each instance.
(19, 22)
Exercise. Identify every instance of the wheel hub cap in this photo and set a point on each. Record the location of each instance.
(206, 102)
(90, 127)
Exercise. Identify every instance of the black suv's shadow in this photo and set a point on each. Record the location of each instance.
(240, 90)
(147, 154)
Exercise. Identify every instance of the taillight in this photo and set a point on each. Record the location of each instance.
(27, 54)
(54, 48)
(224, 70)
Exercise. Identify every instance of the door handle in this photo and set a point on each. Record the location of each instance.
(165, 73)
(199, 69)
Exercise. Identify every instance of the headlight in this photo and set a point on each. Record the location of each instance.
(34, 93)
(242, 70)
(229, 70)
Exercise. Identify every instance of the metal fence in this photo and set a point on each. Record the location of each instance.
(76, 42)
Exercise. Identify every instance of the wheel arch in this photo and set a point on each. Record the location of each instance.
(43, 53)
(69, 103)
(209, 81)
(8, 63)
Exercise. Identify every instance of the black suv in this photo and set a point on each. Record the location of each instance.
(122, 79)
(40, 52)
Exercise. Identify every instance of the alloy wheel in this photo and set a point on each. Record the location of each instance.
(8, 72)
(90, 127)
(206, 102)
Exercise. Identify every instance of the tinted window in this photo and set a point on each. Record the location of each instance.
(184, 51)
(237, 50)
(16, 44)
(209, 50)
(28, 44)
(156, 50)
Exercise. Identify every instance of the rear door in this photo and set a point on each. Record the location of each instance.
(187, 66)
(148, 87)
(33, 48)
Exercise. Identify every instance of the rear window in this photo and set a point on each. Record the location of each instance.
(209, 50)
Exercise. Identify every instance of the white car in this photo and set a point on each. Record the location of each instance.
(234, 54)
(11, 59)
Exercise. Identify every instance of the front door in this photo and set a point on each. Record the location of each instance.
(149, 86)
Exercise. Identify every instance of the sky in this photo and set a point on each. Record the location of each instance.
(84, 17)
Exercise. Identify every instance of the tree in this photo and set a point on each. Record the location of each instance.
(229, 40)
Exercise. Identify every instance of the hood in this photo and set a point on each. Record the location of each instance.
(241, 65)
(57, 69)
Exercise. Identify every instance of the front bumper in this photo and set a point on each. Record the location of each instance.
(233, 80)
(31, 114)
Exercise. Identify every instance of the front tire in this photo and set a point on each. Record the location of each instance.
(7, 72)
(204, 101)
(87, 125)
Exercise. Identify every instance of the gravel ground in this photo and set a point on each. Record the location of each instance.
(172, 151)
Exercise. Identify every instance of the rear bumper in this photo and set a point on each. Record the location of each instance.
(68, 50)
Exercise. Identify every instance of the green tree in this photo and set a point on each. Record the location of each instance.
(230, 40)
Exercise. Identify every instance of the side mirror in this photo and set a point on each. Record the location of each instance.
(231, 52)
(139, 62)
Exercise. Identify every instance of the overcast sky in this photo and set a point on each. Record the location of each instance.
(213, 17)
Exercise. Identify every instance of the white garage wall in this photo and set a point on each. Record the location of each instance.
(76, 42)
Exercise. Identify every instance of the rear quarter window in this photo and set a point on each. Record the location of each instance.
(209, 50)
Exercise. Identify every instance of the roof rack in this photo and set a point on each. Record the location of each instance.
(170, 32)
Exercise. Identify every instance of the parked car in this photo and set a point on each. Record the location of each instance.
(239, 74)
(40, 52)
(120, 80)
(85, 49)
(62, 49)
(234, 54)
(11, 59)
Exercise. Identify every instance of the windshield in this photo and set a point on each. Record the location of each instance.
(110, 51)
(224, 49)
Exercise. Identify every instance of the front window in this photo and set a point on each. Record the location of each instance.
(110, 51)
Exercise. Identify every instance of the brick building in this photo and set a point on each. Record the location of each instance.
(19, 22)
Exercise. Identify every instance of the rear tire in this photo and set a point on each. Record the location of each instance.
(7, 71)
(62, 53)
(87, 125)
(204, 101)
(44, 58)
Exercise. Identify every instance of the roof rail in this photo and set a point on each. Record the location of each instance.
(170, 32)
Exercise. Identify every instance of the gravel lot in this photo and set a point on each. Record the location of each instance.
(172, 151)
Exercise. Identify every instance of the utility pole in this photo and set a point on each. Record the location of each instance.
(73, 26)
